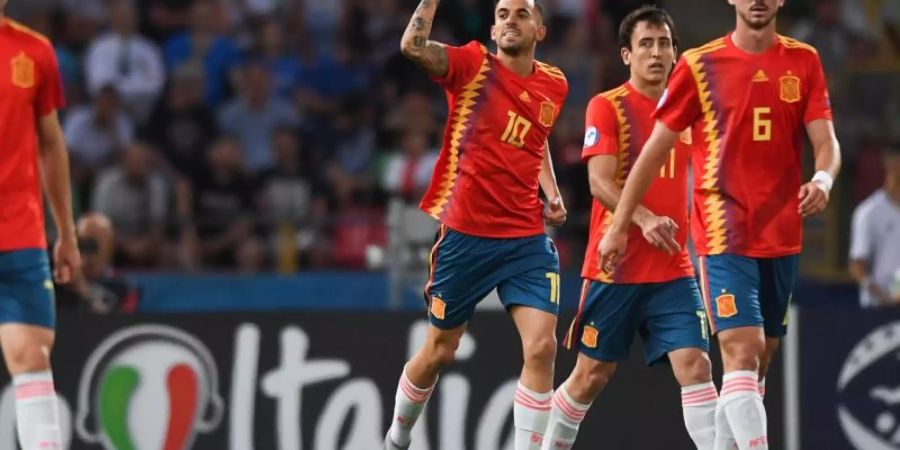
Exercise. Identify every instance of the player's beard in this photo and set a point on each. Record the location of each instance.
(757, 24)
(513, 50)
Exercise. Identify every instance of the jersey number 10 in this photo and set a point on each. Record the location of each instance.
(516, 129)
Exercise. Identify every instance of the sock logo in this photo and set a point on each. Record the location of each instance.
(762, 440)
(148, 387)
(536, 438)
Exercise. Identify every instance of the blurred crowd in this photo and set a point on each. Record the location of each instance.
(257, 135)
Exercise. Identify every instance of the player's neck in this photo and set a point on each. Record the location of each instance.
(753, 41)
(892, 189)
(521, 65)
(646, 88)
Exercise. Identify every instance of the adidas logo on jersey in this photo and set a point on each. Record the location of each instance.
(525, 97)
(760, 76)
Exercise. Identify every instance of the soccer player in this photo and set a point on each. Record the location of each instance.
(748, 97)
(484, 192)
(654, 292)
(34, 150)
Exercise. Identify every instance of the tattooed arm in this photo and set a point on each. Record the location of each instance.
(430, 55)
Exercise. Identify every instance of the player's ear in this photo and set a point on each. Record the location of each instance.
(541, 33)
(626, 56)
(493, 31)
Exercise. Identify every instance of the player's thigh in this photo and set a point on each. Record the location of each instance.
(777, 277)
(673, 318)
(607, 321)
(462, 272)
(730, 289)
(26, 288)
(529, 275)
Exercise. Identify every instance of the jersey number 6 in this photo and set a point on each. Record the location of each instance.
(762, 127)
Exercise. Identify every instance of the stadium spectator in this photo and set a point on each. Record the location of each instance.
(283, 65)
(183, 126)
(98, 288)
(204, 43)
(97, 132)
(353, 148)
(407, 172)
(127, 60)
(222, 204)
(255, 114)
(136, 198)
(875, 249)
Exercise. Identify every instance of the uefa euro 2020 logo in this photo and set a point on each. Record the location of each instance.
(869, 390)
(148, 387)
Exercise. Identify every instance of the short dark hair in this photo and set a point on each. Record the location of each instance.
(652, 14)
(538, 6)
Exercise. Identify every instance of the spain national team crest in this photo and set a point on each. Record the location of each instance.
(22, 71)
(790, 88)
(438, 308)
(589, 336)
(548, 114)
(726, 306)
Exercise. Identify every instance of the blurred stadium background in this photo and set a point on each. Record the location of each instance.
(247, 174)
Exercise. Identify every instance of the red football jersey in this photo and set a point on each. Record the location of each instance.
(30, 87)
(748, 114)
(485, 181)
(619, 122)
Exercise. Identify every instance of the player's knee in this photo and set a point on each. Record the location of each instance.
(744, 354)
(441, 352)
(697, 369)
(591, 380)
(31, 357)
(540, 350)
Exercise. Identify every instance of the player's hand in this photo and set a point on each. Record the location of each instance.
(813, 198)
(611, 249)
(660, 232)
(555, 212)
(66, 260)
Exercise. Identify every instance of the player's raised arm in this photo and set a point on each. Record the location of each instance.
(555, 212)
(430, 55)
(827, 151)
(651, 158)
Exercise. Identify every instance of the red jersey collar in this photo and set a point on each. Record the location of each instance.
(772, 48)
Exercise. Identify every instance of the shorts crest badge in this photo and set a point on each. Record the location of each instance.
(590, 336)
(726, 306)
(438, 308)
